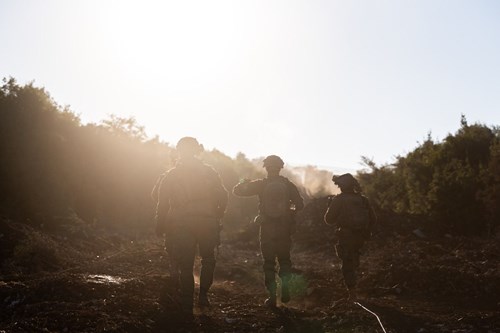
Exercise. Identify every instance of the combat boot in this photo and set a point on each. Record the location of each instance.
(270, 301)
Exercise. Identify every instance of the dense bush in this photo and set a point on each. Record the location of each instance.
(52, 164)
(453, 184)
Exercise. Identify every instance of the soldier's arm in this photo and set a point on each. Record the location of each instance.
(248, 188)
(222, 196)
(333, 211)
(296, 198)
(163, 206)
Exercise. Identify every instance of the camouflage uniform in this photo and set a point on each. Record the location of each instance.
(275, 233)
(349, 241)
(192, 200)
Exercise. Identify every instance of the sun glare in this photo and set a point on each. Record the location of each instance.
(177, 59)
(177, 44)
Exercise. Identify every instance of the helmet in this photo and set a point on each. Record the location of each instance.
(189, 145)
(346, 181)
(273, 161)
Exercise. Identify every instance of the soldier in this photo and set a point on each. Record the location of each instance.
(279, 201)
(353, 217)
(192, 201)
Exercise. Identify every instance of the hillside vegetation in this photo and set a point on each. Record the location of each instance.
(78, 253)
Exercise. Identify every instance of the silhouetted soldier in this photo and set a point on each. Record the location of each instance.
(353, 217)
(279, 201)
(192, 201)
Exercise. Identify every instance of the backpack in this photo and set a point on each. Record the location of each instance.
(275, 201)
(355, 213)
(193, 184)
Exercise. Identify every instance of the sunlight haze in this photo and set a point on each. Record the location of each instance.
(316, 82)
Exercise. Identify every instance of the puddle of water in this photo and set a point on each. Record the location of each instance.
(104, 279)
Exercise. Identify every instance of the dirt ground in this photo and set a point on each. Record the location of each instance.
(90, 280)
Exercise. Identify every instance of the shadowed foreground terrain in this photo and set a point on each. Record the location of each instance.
(88, 279)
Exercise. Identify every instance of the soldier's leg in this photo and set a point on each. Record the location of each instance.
(268, 249)
(184, 249)
(285, 267)
(349, 270)
(347, 254)
(207, 253)
(269, 256)
(269, 266)
(173, 267)
(357, 244)
(172, 289)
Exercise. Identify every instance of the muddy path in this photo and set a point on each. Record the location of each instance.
(119, 289)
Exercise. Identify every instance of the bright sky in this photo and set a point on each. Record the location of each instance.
(316, 82)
